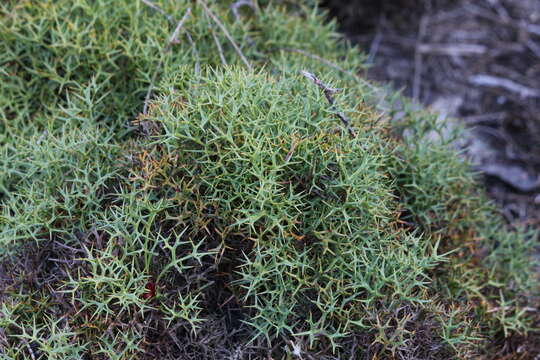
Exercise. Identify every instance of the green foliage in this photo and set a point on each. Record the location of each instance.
(330, 256)
(51, 48)
(269, 158)
(237, 215)
(59, 180)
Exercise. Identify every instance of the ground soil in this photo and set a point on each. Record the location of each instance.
(477, 61)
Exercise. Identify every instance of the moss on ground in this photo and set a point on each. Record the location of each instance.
(237, 217)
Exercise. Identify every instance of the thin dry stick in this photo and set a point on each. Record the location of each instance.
(328, 92)
(329, 64)
(452, 49)
(229, 37)
(174, 37)
(194, 47)
(376, 43)
(218, 44)
(418, 59)
(291, 152)
(238, 4)
(172, 40)
(530, 28)
(29, 348)
(158, 9)
(534, 47)
(188, 36)
(220, 49)
(507, 84)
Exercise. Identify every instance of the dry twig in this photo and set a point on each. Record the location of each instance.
(329, 64)
(291, 152)
(238, 4)
(227, 35)
(507, 84)
(376, 43)
(158, 9)
(172, 40)
(523, 25)
(329, 92)
(452, 49)
(220, 49)
(512, 175)
(30, 350)
(174, 37)
(418, 64)
(492, 118)
(534, 47)
(195, 51)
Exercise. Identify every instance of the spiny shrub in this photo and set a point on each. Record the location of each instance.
(52, 48)
(237, 217)
(267, 159)
(331, 252)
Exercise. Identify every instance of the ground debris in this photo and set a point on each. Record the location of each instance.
(485, 53)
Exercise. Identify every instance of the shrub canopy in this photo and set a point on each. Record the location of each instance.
(234, 215)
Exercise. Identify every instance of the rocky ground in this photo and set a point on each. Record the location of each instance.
(476, 61)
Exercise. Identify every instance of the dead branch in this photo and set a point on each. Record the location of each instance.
(30, 350)
(158, 9)
(418, 63)
(291, 152)
(329, 92)
(512, 175)
(492, 118)
(507, 84)
(329, 64)
(523, 25)
(220, 49)
(452, 49)
(174, 37)
(227, 35)
(376, 43)
(238, 4)
(195, 51)
(535, 48)
(172, 40)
